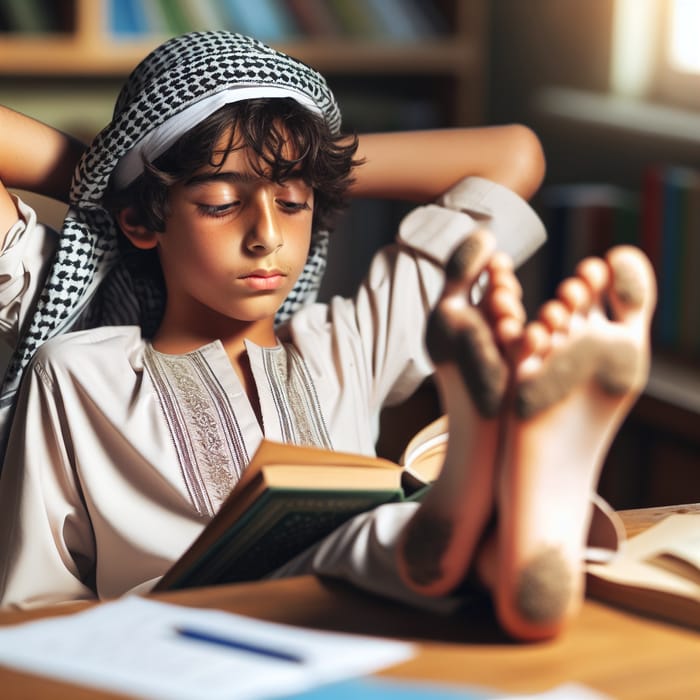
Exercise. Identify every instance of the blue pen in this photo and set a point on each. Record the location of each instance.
(209, 638)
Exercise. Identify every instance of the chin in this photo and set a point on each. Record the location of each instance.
(255, 315)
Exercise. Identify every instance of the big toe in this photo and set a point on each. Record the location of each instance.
(632, 293)
(471, 257)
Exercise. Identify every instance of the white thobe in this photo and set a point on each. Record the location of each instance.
(119, 455)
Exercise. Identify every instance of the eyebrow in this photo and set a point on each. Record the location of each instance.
(232, 176)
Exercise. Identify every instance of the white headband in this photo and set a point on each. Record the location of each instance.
(159, 140)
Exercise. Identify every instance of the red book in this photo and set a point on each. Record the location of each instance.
(652, 215)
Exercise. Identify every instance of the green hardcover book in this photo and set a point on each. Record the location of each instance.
(291, 497)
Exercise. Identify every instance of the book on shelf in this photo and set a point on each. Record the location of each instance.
(689, 315)
(171, 17)
(28, 16)
(656, 572)
(270, 20)
(405, 20)
(290, 497)
(267, 20)
(399, 20)
(663, 219)
(131, 19)
(355, 18)
(670, 235)
(315, 18)
(197, 15)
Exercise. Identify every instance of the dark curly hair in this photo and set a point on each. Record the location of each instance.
(270, 128)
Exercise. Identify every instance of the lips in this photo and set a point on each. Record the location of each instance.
(264, 280)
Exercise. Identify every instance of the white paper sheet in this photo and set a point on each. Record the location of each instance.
(132, 646)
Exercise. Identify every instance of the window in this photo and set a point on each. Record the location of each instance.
(684, 49)
(655, 53)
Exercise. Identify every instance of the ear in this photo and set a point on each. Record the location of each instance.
(136, 232)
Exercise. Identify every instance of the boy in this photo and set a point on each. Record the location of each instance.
(127, 438)
(51, 284)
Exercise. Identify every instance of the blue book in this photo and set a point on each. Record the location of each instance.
(126, 19)
(267, 20)
(402, 20)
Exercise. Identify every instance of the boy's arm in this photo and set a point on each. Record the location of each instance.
(422, 165)
(33, 157)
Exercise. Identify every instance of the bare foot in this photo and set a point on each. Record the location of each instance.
(585, 361)
(466, 343)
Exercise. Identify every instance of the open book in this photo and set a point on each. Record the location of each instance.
(657, 572)
(291, 497)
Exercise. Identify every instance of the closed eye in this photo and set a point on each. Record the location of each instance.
(217, 210)
(292, 207)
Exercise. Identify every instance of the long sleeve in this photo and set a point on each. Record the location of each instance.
(24, 258)
(46, 545)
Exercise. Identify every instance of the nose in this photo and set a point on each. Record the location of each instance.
(265, 232)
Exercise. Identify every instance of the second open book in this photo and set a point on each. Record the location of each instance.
(656, 572)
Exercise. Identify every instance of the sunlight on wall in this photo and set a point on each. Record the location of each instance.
(684, 49)
(633, 48)
(637, 45)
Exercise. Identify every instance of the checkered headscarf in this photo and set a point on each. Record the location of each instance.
(179, 73)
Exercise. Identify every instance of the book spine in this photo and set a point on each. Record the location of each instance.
(627, 221)
(557, 217)
(356, 18)
(315, 18)
(28, 16)
(127, 19)
(200, 15)
(689, 336)
(408, 20)
(392, 20)
(176, 22)
(267, 20)
(671, 255)
(651, 215)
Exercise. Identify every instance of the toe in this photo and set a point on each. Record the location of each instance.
(470, 258)
(576, 295)
(535, 344)
(594, 272)
(632, 293)
(555, 316)
(503, 302)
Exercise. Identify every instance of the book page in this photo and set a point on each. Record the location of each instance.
(655, 572)
(642, 559)
(137, 647)
(425, 453)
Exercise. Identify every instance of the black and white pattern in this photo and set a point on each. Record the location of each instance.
(180, 72)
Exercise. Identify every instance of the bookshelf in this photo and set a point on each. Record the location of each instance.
(82, 46)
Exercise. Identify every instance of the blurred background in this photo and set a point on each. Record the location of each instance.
(612, 88)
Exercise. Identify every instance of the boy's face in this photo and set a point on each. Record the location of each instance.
(234, 244)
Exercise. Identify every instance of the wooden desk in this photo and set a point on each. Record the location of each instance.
(625, 656)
